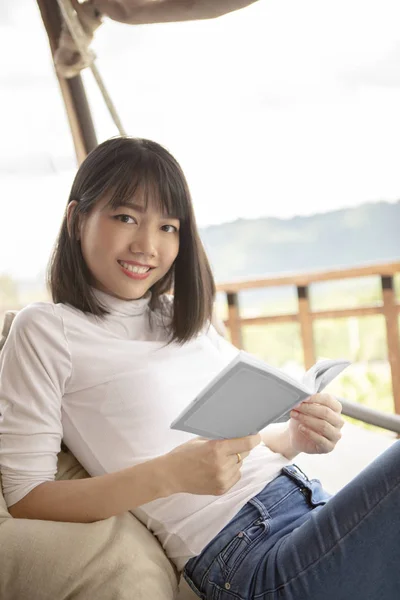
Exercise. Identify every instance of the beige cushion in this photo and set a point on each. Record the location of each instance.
(113, 559)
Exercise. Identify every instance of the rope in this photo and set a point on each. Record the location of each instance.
(71, 58)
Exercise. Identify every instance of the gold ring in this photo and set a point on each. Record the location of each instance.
(239, 457)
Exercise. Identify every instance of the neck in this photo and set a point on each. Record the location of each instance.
(120, 307)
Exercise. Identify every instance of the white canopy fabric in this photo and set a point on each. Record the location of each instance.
(163, 11)
(85, 17)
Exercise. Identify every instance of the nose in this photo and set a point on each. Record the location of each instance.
(144, 242)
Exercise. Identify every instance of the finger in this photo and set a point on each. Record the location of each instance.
(322, 444)
(332, 418)
(243, 455)
(325, 400)
(233, 458)
(320, 411)
(321, 427)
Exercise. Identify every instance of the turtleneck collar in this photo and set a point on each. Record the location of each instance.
(123, 308)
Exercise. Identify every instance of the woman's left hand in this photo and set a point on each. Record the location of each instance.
(315, 424)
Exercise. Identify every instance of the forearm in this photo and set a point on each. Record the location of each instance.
(95, 498)
(276, 437)
(163, 11)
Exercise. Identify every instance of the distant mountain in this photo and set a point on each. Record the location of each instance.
(348, 237)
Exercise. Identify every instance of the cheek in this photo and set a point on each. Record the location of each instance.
(98, 239)
(96, 247)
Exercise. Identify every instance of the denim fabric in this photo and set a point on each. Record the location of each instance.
(294, 541)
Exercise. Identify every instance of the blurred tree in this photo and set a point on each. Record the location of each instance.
(8, 292)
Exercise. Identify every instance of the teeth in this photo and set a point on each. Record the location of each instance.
(134, 268)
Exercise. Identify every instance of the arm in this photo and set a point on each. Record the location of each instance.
(277, 438)
(34, 369)
(95, 498)
(138, 12)
(198, 467)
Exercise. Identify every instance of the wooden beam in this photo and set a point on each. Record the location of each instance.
(270, 320)
(342, 313)
(306, 326)
(303, 279)
(235, 329)
(392, 333)
(72, 90)
(339, 313)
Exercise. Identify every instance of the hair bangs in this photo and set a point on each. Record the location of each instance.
(124, 188)
(151, 181)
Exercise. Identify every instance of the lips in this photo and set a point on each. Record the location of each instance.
(136, 264)
(134, 271)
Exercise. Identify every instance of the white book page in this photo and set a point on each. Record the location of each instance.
(322, 373)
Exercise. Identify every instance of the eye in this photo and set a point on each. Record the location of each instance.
(125, 219)
(170, 228)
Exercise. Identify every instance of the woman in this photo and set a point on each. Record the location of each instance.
(110, 363)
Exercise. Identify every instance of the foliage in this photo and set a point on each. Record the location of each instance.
(361, 340)
(8, 292)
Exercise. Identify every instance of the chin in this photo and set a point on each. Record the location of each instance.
(130, 293)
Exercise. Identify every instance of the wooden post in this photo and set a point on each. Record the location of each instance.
(392, 333)
(234, 319)
(306, 326)
(72, 90)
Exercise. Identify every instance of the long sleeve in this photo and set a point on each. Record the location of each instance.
(34, 368)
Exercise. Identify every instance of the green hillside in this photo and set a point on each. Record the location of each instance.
(247, 248)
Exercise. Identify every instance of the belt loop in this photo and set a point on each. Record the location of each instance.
(301, 472)
(260, 507)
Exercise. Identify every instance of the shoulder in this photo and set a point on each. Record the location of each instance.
(35, 318)
(35, 312)
(35, 350)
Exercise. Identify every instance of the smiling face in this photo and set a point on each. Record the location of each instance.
(127, 248)
(126, 203)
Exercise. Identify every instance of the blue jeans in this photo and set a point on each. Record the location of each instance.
(294, 541)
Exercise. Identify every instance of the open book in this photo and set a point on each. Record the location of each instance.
(248, 394)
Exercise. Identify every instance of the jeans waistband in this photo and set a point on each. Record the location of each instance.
(258, 507)
(272, 494)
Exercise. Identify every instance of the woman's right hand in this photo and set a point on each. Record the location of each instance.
(203, 466)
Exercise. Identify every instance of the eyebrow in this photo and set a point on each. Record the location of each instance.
(141, 210)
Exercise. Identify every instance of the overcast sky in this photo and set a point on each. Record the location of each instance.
(283, 108)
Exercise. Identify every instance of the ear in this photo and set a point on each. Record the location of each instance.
(70, 211)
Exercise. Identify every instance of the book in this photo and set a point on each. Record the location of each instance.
(248, 394)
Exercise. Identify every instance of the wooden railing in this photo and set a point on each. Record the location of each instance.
(389, 308)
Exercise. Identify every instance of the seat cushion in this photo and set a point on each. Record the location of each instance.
(117, 558)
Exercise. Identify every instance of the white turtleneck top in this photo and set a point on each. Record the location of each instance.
(110, 389)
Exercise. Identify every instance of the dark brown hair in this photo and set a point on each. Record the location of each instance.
(116, 168)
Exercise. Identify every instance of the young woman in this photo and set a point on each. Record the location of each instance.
(110, 363)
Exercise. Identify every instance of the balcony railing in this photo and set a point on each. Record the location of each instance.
(389, 308)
